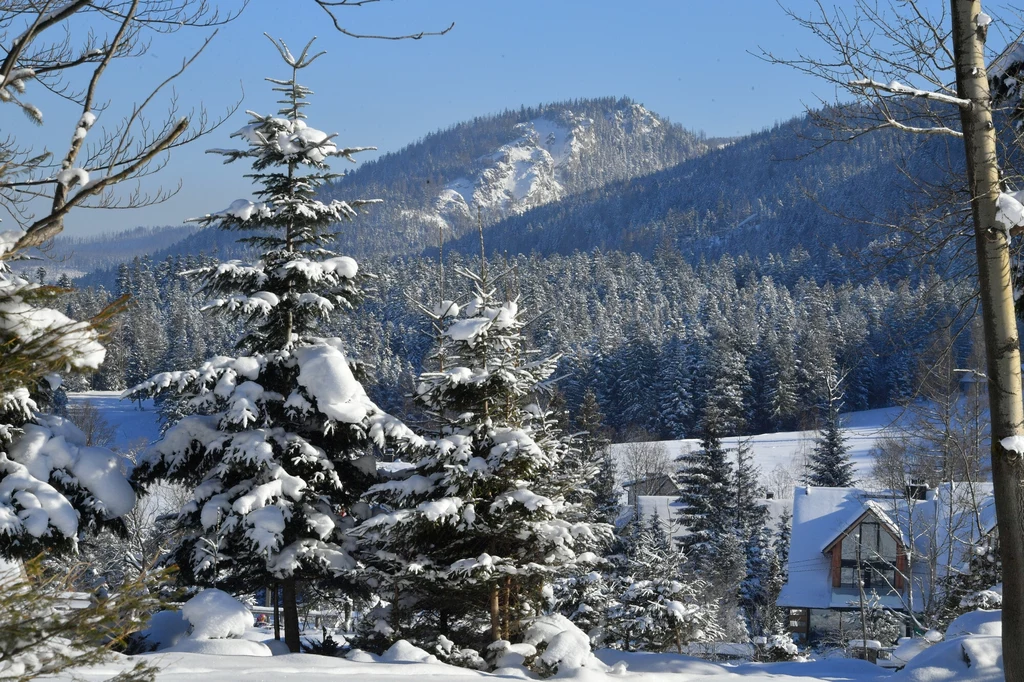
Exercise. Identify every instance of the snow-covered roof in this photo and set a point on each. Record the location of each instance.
(821, 515)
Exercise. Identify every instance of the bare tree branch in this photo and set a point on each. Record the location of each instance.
(328, 6)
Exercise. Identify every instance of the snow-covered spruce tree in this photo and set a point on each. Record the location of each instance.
(830, 464)
(714, 539)
(761, 586)
(584, 597)
(656, 602)
(707, 493)
(481, 523)
(277, 445)
(53, 486)
(592, 444)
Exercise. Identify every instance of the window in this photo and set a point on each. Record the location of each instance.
(878, 554)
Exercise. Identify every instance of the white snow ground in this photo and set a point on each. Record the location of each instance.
(134, 424)
(770, 450)
(786, 449)
(789, 449)
(179, 667)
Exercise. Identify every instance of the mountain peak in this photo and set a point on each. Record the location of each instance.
(504, 165)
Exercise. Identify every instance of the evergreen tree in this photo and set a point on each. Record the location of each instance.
(658, 604)
(780, 544)
(584, 597)
(594, 452)
(762, 585)
(277, 442)
(675, 389)
(751, 512)
(706, 484)
(482, 520)
(54, 487)
(830, 464)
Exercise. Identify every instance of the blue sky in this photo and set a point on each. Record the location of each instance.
(685, 60)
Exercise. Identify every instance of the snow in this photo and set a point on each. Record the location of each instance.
(467, 330)
(789, 449)
(566, 647)
(1013, 444)
(1010, 210)
(324, 372)
(404, 652)
(942, 662)
(134, 425)
(522, 174)
(165, 629)
(242, 209)
(215, 614)
(977, 658)
(64, 336)
(219, 647)
(8, 238)
(70, 176)
(976, 623)
(56, 444)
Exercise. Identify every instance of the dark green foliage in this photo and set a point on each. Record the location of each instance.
(830, 464)
(325, 646)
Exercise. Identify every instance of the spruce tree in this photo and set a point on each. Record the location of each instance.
(658, 603)
(593, 443)
(751, 512)
(54, 487)
(277, 442)
(830, 464)
(707, 486)
(761, 586)
(482, 521)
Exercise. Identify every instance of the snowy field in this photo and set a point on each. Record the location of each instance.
(944, 662)
(641, 667)
(786, 449)
(790, 449)
(133, 424)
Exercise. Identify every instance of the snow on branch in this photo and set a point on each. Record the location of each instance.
(897, 88)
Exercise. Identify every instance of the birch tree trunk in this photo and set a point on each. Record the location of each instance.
(1002, 347)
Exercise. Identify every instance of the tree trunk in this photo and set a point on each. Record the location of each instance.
(495, 612)
(277, 612)
(1002, 347)
(506, 608)
(291, 615)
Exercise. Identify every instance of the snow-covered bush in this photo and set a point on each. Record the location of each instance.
(775, 648)
(215, 614)
(976, 623)
(560, 646)
(403, 651)
(325, 646)
(40, 634)
(584, 598)
(447, 652)
(656, 605)
(659, 615)
(211, 622)
(982, 599)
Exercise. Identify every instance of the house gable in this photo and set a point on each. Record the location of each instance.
(873, 542)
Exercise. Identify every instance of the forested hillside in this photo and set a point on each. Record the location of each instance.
(664, 269)
(769, 192)
(654, 338)
(493, 167)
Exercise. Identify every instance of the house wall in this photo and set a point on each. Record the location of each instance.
(831, 627)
